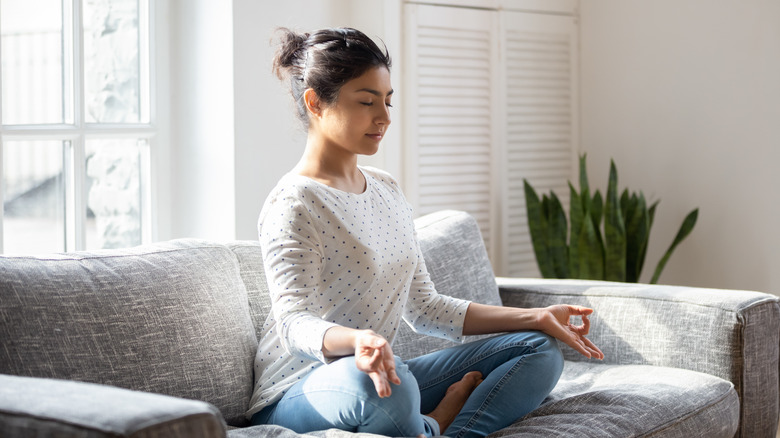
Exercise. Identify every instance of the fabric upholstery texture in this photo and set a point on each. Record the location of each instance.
(171, 318)
(459, 266)
(48, 407)
(598, 400)
(722, 333)
(250, 262)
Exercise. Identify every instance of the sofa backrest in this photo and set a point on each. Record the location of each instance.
(169, 318)
(457, 260)
(250, 261)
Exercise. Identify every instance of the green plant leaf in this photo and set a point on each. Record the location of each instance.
(590, 261)
(637, 235)
(650, 219)
(597, 210)
(537, 226)
(625, 204)
(614, 232)
(556, 237)
(685, 230)
(584, 173)
(576, 215)
(651, 212)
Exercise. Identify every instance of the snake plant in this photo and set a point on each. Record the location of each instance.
(604, 239)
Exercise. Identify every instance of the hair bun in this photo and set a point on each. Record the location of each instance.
(324, 61)
(290, 52)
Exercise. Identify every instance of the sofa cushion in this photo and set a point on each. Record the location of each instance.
(34, 407)
(597, 400)
(169, 318)
(250, 262)
(459, 266)
(727, 333)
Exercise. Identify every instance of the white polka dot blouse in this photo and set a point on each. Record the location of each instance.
(337, 258)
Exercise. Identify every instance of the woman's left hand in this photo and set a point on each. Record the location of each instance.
(555, 321)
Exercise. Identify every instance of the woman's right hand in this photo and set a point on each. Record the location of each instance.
(554, 320)
(374, 357)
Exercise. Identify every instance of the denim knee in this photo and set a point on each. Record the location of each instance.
(405, 394)
(550, 357)
(398, 414)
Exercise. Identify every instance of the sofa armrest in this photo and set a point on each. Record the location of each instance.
(734, 335)
(47, 407)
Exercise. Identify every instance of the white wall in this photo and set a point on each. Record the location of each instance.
(268, 138)
(233, 129)
(202, 201)
(685, 96)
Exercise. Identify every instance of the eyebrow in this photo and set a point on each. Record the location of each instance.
(374, 92)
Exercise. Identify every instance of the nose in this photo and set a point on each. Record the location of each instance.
(383, 118)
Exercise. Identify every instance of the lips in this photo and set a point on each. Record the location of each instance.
(375, 136)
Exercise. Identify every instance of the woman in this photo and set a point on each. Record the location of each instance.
(344, 267)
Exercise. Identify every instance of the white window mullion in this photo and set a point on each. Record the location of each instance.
(70, 38)
(145, 60)
(78, 166)
(69, 179)
(147, 233)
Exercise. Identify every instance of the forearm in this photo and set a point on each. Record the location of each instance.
(554, 320)
(339, 341)
(482, 319)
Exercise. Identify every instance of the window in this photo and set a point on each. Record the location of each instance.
(76, 124)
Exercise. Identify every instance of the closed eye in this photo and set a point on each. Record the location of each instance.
(372, 104)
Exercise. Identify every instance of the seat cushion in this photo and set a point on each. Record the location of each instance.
(169, 318)
(596, 400)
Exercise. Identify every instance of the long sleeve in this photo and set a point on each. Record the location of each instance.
(431, 313)
(293, 260)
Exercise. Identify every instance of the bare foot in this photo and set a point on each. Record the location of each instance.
(454, 399)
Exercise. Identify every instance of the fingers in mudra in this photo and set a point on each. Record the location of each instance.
(375, 358)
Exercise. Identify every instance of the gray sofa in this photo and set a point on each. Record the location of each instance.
(159, 341)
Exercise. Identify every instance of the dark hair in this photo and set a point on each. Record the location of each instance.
(324, 61)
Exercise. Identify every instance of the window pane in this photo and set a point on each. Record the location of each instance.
(112, 72)
(33, 197)
(32, 64)
(114, 193)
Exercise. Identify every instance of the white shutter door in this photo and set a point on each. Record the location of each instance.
(540, 62)
(448, 107)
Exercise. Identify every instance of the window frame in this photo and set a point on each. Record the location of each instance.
(76, 131)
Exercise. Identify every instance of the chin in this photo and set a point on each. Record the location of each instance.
(370, 151)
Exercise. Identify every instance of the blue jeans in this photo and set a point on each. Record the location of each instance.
(519, 371)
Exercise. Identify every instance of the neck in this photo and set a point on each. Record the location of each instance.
(331, 166)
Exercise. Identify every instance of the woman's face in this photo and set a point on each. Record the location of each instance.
(359, 118)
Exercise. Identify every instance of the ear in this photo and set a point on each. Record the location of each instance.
(312, 102)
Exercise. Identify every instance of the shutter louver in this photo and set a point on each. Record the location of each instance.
(490, 99)
(539, 132)
(454, 122)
